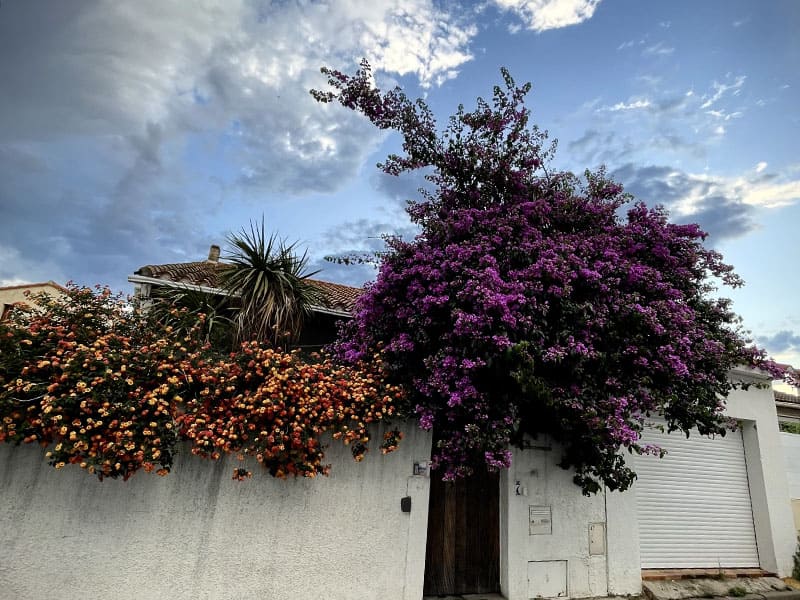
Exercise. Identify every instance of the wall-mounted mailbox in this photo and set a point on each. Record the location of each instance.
(540, 520)
(405, 504)
(422, 468)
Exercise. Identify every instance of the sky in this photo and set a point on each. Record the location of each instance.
(136, 133)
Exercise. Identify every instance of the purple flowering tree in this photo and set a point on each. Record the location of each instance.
(535, 302)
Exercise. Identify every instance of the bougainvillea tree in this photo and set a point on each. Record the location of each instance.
(534, 302)
(113, 389)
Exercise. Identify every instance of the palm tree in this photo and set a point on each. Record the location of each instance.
(272, 284)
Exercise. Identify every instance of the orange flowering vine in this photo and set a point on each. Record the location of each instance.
(112, 389)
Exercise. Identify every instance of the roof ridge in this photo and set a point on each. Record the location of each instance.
(38, 284)
(340, 297)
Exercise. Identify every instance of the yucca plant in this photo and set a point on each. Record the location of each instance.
(271, 282)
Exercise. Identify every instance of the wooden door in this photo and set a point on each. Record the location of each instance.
(463, 550)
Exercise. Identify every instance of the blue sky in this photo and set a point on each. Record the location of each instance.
(140, 133)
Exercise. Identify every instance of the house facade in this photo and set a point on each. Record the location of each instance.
(362, 532)
(788, 407)
(20, 294)
(384, 528)
(710, 504)
(204, 276)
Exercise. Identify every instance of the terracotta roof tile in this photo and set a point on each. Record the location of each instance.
(206, 273)
(786, 397)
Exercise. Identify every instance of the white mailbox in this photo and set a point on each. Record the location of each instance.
(541, 520)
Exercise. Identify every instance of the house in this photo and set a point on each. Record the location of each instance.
(788, 406)
(204, 276)
(384, 528)
(20, 294)
(710, 504)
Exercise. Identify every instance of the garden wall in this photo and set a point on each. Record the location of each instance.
(197, 534)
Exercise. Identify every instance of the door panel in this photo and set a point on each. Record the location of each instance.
(463, 549)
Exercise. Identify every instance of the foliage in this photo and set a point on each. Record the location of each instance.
(534, 302)
(272, 284)
(789, 426)
(796, 568)
(114, 390)
(216, 327)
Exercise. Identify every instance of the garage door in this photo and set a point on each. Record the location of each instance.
(693, 505)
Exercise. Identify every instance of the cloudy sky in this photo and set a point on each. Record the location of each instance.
(135, 133)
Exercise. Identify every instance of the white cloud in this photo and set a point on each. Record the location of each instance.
(727, 207)
(13, 282)
(174, 112)
(225, 68)
(720, 89)
(761, 166)
(13, 264)
(541, 15)
(748, 191)
(659, 49)
(630, 105)
(770, 195)
(719, 130)
(721, 114)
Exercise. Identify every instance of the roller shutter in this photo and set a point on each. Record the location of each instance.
(693, 505)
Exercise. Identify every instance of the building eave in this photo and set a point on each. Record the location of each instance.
(143, 279)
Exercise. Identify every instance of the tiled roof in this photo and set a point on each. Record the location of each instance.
(786, 397)
(206, 273)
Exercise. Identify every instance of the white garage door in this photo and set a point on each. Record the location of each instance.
(693, 505)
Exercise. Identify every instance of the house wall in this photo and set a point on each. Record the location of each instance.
(766, 472)
(197, 534)
(563, 561)
(791, 452)
(535, 563)
(18, 293)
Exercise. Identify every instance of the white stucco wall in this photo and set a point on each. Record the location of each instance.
(766, 472)
(546, 559)
(197, 534)
(791, 449)
(791, 454)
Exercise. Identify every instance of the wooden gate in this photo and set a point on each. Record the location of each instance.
(463, 550)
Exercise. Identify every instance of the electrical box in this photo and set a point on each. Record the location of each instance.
(540, 520)
(597, 538)
(547, 579)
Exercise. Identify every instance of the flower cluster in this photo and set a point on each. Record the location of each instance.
(274, 406)
(113, 390)
(532, 302)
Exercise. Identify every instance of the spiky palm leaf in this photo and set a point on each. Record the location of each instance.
(271, 281)
(181, 306)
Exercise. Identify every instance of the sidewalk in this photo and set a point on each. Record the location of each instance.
(736, 588)
(746, 588)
